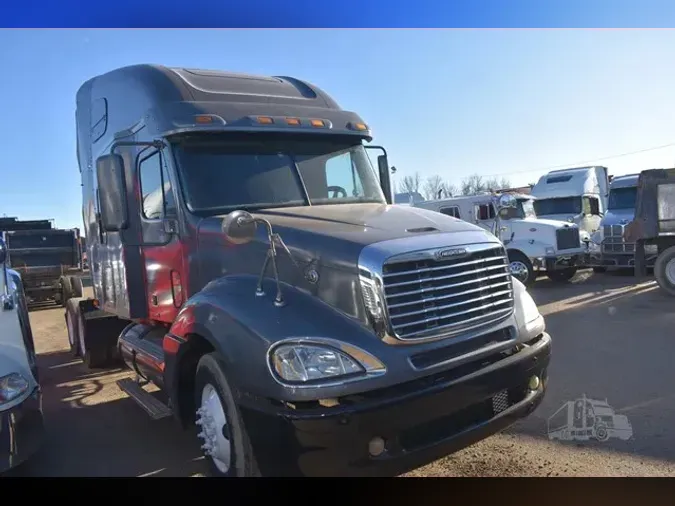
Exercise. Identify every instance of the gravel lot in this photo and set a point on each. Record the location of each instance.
(613, 340)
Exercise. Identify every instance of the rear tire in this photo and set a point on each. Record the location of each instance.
(66, 290)
(76, 284)
(664, 271)
(224, 439)
(521, 267)
(562, 275)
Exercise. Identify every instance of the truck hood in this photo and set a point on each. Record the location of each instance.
(618, 217)
(328, 239)
(546, 222)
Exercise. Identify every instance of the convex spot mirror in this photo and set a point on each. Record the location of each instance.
(239, 227)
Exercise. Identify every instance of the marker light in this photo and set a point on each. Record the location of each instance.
(317, 123)
(265, 120)
(202, 119)
(293, 121)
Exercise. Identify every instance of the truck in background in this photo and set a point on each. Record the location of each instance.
(48, 259)
(576, 195)
(532, 244)
(247, 260)
(654, 226)
(608, 247)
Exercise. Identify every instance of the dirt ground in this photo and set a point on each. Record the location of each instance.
(613, 340)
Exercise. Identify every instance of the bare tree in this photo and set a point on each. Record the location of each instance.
(473, 184)
(410, 184)
(432, 187)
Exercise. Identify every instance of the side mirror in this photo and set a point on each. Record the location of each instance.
(507, 201)
(239, 227)
(3, 251)
(385, 181)
(112, 192)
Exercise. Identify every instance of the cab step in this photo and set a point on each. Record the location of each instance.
(150, 404)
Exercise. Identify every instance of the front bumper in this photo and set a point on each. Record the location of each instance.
(21, 431)
(559, 262)
(617, 260)
(420, 421)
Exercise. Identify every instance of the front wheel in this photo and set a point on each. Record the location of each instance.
(664, 270)
(562, 275)
(225, 443)
(521, 267)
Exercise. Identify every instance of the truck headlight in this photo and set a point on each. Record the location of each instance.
(310, 362)
(525, 307)
(12, 386)
(550, 251)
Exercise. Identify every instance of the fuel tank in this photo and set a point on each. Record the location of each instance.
(140, 347)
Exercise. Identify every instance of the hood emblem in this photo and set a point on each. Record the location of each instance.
(450, 253)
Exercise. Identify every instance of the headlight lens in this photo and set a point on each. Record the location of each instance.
(526, 305)
(12, 386)
(300, 363)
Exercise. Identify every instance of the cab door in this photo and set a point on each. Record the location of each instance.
(161, 246)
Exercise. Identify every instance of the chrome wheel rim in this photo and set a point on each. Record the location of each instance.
(519, 270)
(215, 431)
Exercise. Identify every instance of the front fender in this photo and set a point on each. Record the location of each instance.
(535, 249)
(242, 326)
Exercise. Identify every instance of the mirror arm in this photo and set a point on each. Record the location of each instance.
(159, 144)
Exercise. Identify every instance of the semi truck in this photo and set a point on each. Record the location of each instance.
(49, 260)
(532, 244)
(246, 259)
(577, 195)
(608, 247)
(652, 229)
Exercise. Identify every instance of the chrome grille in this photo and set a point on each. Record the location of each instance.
(567, 238)
(613, 242)
(429, 296)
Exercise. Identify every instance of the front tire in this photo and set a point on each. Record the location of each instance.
(562, 275)
(224, 440)
(521, 267)
(664, 271)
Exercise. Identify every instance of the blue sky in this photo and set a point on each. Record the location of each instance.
(448, 102)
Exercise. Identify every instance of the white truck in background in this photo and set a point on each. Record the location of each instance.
(532, 244)
(577, 195)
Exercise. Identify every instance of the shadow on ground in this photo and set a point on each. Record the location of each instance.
(91, 431)
(612, 340)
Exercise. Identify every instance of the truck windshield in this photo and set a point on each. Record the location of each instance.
(622, 198)
(256, 172)
(563, 205)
